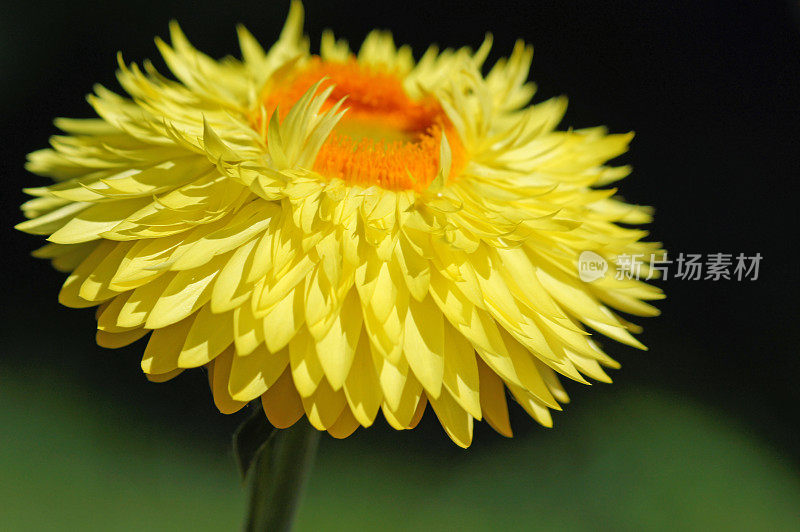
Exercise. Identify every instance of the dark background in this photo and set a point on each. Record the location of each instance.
(710, 88)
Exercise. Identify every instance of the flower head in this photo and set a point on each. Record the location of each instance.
(343, 233)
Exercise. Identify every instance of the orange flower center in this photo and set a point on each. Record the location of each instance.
(385, 138)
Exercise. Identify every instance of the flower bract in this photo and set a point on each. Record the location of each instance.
(343, 233)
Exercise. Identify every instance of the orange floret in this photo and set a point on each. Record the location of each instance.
(385, 138)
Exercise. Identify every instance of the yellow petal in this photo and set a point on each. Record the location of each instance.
(493, 400)
(253, 374)
(455, 420)
(109, 314)
(528, 372)
(423, 402)
(337, 349)
(307, 372)
(219, 388)
(186, 292)
(137, 307)
(391, 376)
(70, 291)
(231, 288)
(117, 340)
(402, 416)
(284, 320)
(96, 286)
(90, 223)
(164, 347)
(424, 343)
(461, 371)
(362, 387)
(324, 406)
(532, 406)
(209, 336)
(164, 377)
(344, 426)
(282, 403)
(248, 331)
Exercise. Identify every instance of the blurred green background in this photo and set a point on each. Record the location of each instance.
(635, 459)
(698, 433)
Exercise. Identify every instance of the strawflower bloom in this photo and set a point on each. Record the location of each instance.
(344, 233)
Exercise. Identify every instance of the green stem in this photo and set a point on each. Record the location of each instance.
(278, 477)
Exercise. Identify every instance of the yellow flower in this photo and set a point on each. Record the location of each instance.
(343, 233)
